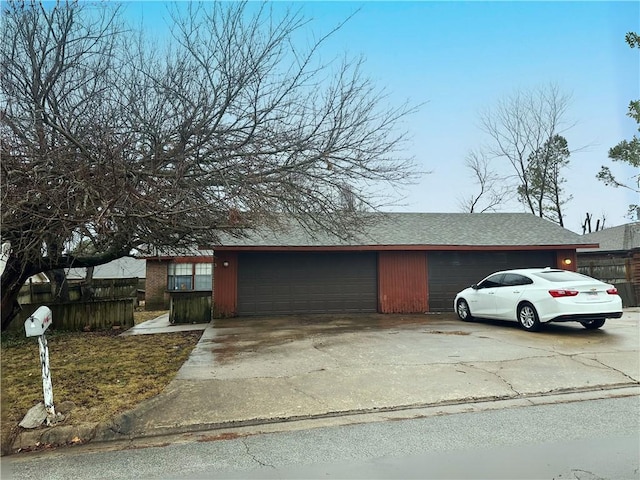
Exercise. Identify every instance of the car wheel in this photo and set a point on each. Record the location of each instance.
(593, 324)
(463, 311)
(528, 318)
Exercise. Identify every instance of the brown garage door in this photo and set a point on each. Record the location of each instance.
(450, 272)
(306, 282)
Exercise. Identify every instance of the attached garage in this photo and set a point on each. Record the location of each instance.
(306, 282)
(400, 263)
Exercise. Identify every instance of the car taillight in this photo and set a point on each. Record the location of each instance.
(563, 293)
(612, 291)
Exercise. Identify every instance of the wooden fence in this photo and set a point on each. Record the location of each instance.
(98, 289)
(614, 270)
(190, 307)
(83, 316)
(104, 304)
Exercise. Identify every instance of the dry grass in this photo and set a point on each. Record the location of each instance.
(143, 315)
(102, 373)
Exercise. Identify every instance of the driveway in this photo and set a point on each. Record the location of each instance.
(269, 369)
(270, 372)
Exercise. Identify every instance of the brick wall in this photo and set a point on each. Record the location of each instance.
(156, 296)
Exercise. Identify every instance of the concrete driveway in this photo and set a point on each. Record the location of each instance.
(250, 371)
(269, 372)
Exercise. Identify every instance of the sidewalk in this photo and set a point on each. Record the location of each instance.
(264, 371)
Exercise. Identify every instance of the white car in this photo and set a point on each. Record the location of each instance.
(534, 296)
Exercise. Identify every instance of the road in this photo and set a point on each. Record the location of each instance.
(595, 439)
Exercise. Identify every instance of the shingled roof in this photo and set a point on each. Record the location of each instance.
(621, 238)
(426, 229)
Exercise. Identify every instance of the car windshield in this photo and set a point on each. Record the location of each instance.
(561, 276)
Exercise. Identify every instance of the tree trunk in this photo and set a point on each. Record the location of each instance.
(13, 278)
(59, 279)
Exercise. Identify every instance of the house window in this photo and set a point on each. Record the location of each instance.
(189, 276)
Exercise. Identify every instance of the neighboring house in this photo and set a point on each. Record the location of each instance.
(125, 267)
(402, 263)
(122, 268)
(616, 260)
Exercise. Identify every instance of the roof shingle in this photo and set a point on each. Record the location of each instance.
(620, 238)
(426, 229)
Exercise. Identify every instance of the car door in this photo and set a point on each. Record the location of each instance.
(507, 297)
(483, 303)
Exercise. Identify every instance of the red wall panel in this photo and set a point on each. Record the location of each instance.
(225, 284)
(402, 282)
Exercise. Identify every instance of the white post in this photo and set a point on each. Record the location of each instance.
(47, 388)
(35, 326)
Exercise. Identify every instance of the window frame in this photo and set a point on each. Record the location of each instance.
(192, 275)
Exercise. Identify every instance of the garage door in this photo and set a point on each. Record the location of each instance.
(450, 272)
(305, 282)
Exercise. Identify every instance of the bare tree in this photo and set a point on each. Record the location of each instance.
(522, 127)
(493, 190)
(111, 145)
(586, 225)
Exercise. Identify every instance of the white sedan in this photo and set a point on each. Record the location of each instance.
(534, 296)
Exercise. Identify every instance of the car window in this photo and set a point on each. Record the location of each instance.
(492, 281)
(512, 279)
(561, 276)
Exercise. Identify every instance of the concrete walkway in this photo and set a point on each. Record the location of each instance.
(161, 325)
(267, 373)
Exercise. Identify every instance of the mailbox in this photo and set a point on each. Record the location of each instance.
(36, 324)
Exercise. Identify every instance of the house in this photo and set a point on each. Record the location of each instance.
(616, 260)
(123, 271)
(125, 267)
(400, 263)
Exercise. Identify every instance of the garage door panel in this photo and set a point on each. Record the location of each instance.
(305, 282)
(450, 272)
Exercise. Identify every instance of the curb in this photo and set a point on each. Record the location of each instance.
(122, 428)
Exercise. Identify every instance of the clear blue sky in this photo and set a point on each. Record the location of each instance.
(460, 57)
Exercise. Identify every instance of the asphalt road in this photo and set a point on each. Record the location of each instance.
(587, 440)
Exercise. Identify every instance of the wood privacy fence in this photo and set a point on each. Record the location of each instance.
(190, 307)
(614, 270)
(104, 304)
(83, 316)
(99, 289)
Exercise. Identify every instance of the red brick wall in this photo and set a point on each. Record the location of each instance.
(156, 295)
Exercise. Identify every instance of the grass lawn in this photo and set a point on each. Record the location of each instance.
(102, 373)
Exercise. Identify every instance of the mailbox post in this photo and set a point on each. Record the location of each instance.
(35, 326)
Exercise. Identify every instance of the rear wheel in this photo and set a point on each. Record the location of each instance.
(463, 311)
(528, 318)
(593, 324)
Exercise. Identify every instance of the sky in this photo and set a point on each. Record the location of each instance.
(456, 59)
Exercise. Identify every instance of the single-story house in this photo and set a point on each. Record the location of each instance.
(125, 267)
(400, 263)
(616, 260)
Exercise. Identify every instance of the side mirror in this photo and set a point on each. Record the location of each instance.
(475, 286)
